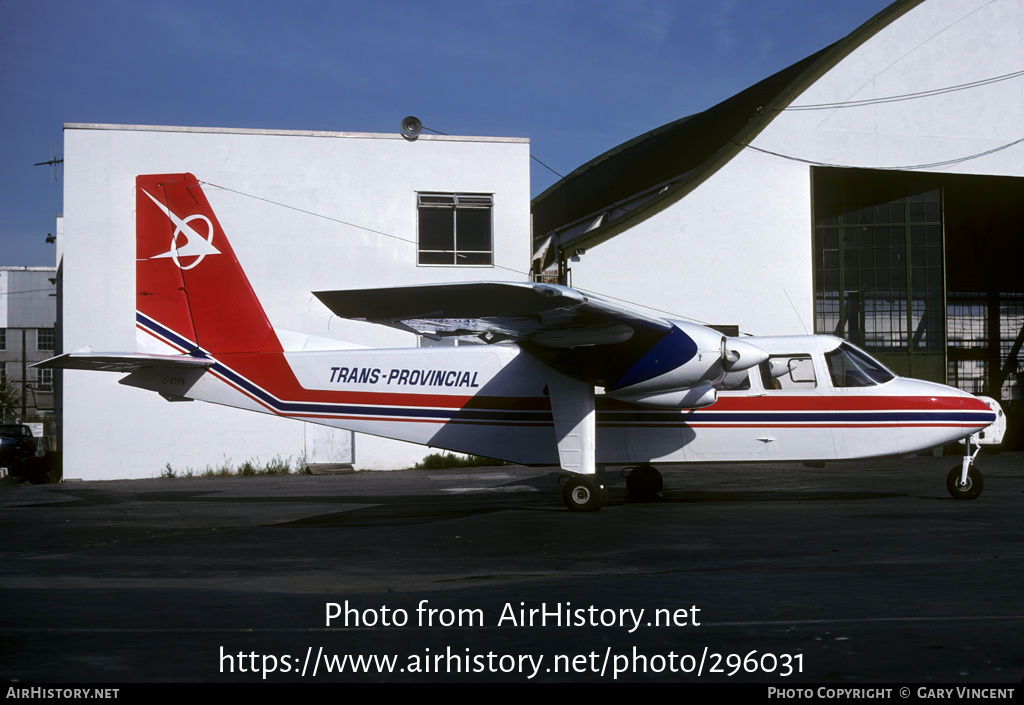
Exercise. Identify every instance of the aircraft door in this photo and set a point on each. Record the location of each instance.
(796, 411)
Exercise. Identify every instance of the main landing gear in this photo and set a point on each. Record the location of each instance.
(964, 481)
(643, 483)
(587, 493)
(584, 493)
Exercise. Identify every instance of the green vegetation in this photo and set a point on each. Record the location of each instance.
(440, 461)
(10, 400)
(250, 468)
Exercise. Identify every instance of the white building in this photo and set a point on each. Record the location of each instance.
(873, 190)
(28, 309)
(304, 211)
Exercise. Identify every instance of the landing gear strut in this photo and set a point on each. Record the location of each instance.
(964, 481)
(584, 493)
(643, 483)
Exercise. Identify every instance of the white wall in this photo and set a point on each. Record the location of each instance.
(738, 249)
(731, 252)
(290, 197)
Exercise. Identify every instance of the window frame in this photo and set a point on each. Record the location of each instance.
(41, 334)
(804, 361)
(44, 382)
(457, 202)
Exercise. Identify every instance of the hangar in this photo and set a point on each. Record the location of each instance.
(873, 190)
(304, 211)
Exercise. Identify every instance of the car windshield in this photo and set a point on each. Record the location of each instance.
(850, 367)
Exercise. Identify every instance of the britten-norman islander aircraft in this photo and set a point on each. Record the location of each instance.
(564, 377)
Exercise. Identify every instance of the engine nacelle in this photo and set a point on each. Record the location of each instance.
(692, 398)
(681, 370)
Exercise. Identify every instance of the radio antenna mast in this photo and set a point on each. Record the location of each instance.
(55, 161)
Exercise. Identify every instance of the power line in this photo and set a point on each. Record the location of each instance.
(413, 242)
(909, 167)
(337, 220)
(905, 96)
(27, 291)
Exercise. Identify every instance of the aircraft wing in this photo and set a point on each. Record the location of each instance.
(548, 315)
(637, 356)
(121, 362)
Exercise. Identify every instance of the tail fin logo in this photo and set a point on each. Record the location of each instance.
(195, 245)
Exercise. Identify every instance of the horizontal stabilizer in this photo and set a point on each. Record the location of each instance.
(121, 362)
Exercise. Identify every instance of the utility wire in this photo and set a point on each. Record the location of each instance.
(905, 96)
(337, 220)
(413, 242)
(445, 134)
(910, 167)
(27, 291)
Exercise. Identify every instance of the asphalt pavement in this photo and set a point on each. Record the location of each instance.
(857, 573)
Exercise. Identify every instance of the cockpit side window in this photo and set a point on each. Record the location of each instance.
(849, 367)
(786, 372)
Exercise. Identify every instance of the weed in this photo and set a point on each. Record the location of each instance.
(250, 468)
(440, 461)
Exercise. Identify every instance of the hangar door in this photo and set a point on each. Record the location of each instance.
(925, 272)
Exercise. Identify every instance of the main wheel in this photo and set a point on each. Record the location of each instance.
(583, 494)
(644, 482)
(968, 490)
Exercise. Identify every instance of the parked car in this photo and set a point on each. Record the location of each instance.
(17, 444)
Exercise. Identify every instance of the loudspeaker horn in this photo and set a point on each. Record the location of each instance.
(411, 127)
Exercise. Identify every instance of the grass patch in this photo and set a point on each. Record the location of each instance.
(441, 461)
(250, 468)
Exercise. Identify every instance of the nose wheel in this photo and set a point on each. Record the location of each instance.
(968, 487)
(964, 481)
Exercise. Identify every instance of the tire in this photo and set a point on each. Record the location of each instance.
(971, 489)
(643, 483)
(582, 494)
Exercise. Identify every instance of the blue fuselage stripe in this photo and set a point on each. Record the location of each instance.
(533, 416)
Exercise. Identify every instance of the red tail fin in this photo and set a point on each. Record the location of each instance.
(187, 276)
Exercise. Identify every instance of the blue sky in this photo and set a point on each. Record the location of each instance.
(576, 77)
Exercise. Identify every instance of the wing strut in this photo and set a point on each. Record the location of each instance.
(575, 416)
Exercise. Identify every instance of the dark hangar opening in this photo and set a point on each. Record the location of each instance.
(925, 272)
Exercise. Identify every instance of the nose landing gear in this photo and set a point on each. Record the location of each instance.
(964, 481)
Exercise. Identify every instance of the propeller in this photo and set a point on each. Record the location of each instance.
(737, 354)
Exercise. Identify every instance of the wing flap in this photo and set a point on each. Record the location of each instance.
(543, 314)
(456, 300)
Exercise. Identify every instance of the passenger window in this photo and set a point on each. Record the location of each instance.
(787, 372)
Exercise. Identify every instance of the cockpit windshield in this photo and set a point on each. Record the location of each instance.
(849, 367)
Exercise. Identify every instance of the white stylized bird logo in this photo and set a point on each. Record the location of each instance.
(195, 245)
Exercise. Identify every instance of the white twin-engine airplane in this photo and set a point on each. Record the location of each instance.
(672, 391)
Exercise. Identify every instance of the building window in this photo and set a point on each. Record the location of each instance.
(3, 338)
(455, 229)
(45, 339)
(878, 262)
(44, 381)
